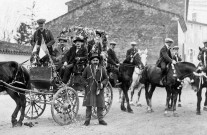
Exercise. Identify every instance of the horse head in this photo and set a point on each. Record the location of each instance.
(137, 61)
(188, 70)
(143, 55)
(202, 56)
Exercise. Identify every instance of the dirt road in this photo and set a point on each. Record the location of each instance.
(119, 123)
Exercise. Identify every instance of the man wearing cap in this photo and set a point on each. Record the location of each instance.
(45, 33)
(96, 79)
(176, 56)
(113, 62)
(130, 53)
(165, 58)
(59, 52)
(76, 54)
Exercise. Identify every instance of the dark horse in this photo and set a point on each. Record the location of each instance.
(202, 56)
(125, 77)
(16, 75)
(151, 77)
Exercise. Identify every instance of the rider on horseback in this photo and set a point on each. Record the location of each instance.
(130, 53)
(165, 59)
(113, 61)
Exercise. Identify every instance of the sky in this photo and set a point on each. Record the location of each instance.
(13, 12)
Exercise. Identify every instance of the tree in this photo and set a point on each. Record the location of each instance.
(23, 34)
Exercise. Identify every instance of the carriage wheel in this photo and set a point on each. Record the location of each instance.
(108, 94)
(35, 105)
(65, 105)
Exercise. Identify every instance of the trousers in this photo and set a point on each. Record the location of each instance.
(89, 113)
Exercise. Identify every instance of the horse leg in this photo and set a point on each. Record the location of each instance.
(147, 94)
(132, 94)
(150, 98)
(23, 105)
(179, 99)
(205, 103)
(138, 96)
(167, 100)
(17, 99)
(199, 98)
(123, 108)
(175, 95)
(120, 95)
(127, 100)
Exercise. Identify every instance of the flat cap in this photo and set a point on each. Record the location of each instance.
(133, 43)
(175, 47)
(112, 43)
(41, 21)
(168, 40)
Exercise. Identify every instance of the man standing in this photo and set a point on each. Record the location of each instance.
(46, 34)
(165, 58)
(131, 52)
(76, 54)
(96, 78)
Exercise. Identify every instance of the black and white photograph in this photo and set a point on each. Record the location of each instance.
(103, 67)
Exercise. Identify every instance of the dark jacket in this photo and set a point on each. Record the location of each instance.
(71, 55)
(177, 58)
(112, 58)
(131, 53)
(90, 98)
(48, 38)
(165, 56)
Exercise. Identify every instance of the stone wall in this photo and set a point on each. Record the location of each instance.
(124, 21)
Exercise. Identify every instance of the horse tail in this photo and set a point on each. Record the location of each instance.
(143, 78)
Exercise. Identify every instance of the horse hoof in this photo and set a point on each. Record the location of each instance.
(19, 124)
(198, 113)
(205, 108)
(123, 109)
(179, 105)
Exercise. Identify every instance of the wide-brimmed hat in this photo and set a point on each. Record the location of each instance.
(112, 43)
(175, 48)
(81, 39)
(168, 40)
(95, 55)
(41, 21)
(133, 43)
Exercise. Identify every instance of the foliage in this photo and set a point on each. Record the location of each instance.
(23, 34)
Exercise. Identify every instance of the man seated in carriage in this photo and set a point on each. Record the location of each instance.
(76, 55)
(43, 34)
(165, 58)
(59, 54)
(113, 61)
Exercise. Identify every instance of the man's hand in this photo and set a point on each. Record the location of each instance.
(65, 63)
(173, 62)
(118, 65)
(77, 58)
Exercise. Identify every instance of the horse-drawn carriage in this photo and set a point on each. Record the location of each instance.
(48, 88)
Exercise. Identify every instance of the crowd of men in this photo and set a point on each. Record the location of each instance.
(66, 58)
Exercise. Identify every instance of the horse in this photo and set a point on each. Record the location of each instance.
(16, 75)
(126, 70)
(136, 76)
(151, 76)
(202, 56)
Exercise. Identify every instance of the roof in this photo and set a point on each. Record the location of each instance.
(181, 19)
(13, 48)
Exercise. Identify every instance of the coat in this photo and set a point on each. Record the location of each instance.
(165, 56)
(72, 54)
(90, 98)
(177, 58)
(112, 58)
(48, 38)
(131, 53)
